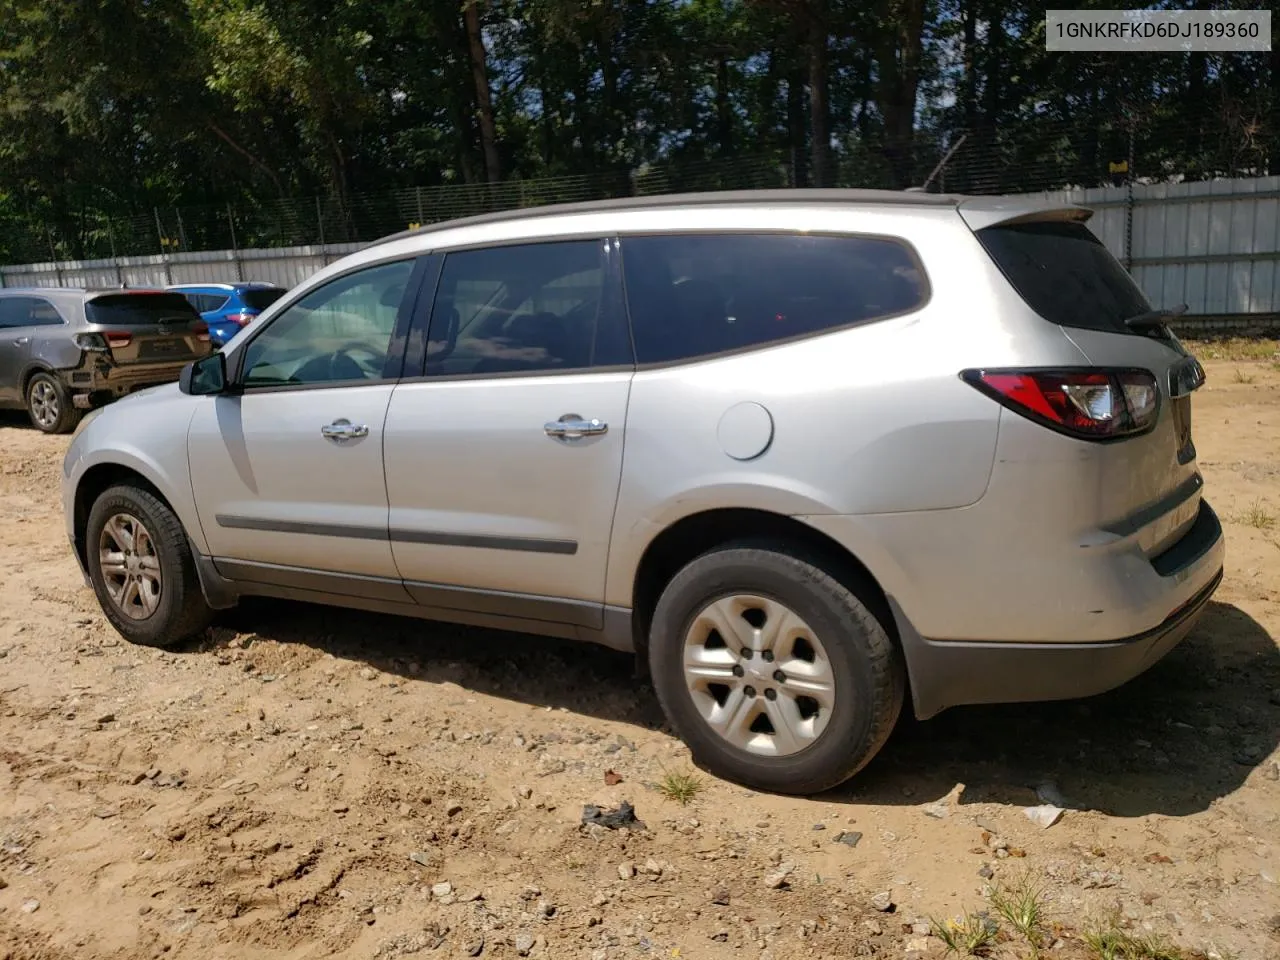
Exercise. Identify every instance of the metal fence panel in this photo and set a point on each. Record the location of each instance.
(1214, 245)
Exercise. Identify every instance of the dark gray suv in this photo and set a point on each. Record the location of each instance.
(63, 351)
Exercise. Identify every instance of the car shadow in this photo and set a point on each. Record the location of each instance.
(1187, 732)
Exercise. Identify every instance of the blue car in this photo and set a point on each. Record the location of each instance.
(226, 307)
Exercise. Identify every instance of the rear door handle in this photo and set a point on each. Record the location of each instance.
(573, 427)
(22, 340)
(344, 430)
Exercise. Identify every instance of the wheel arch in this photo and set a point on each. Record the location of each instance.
(697, 533)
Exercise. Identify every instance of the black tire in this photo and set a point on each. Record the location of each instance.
(44, 390)
(865, 665)
(181, 613)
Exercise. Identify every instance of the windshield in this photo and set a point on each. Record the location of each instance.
(140, 309)
(1066, 275)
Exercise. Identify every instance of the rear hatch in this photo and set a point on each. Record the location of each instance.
(1151, 484)
(148, 327)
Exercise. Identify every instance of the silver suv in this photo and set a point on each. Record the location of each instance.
(63, 351)
(801, 451)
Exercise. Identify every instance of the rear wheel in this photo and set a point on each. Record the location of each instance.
(141, 568)
(49, 405)
(774, 673)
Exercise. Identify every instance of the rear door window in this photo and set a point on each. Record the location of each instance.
(696, 295)
(140, 309)
(1065, 274)
(28, 312)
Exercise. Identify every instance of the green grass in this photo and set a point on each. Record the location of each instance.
(1258, 516)
(1107, 941)
(969, 935)
(681, 787)
(1021, 903)
(1235, 348)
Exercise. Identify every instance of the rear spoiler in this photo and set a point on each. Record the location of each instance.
(982, 212)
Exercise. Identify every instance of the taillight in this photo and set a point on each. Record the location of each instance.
(92, 342)
(118, 338)
(1089, 404)
(241, 319)
(201, 330)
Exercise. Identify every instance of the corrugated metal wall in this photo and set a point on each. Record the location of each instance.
(1214, 245)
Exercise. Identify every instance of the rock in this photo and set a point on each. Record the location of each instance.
(883, 902)
(1273, 771)
(1045, 815)
(917, 949)
(720, 896)
(420, 858)
(224, 845)
(780, 878)
(30, 906)
(626, 870)
(546, 909)
(442, 889)
(473, 948)
(367, 674)
(985, 872)
(523, 943)
(404, 810)
(147, 855)
(938, 811)
(872, 927)
(849, 838)
(652, 868)
(523, 792)
(920, 928)
(623, 816)
(720, 936)
(1049, 793)
(4, 884)
(107, 718)
(106, 813)
(452, 808)
(819, 826)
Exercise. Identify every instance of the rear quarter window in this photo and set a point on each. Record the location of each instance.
(695, 295)
(140, 309)
(1065, 274)
(260, 299)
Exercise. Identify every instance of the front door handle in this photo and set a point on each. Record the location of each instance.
(344, 430)
(22, 340)
(573, 427)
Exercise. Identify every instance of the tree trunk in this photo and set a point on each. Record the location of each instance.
(900, 82)
(796, 131)
(724, 108)
(819, 121)
(484, 99)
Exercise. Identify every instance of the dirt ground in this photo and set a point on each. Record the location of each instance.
(314, 783)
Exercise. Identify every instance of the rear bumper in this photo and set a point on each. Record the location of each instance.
(956, 673)
(96, 383)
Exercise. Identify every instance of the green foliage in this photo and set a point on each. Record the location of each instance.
(116, 112)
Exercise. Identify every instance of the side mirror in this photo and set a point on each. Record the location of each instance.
(205, 377)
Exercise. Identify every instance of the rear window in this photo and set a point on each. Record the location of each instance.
(1066, 275)
(260, 299)
(696, 295)
(140, 309)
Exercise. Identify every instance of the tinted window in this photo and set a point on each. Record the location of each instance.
(532, 308)
(208, 302)
(341, 331)
(28, 312)
(1066, 275)
(140, 309)
(691, 296)
(260, 299)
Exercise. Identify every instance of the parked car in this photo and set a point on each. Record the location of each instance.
(803, 452)
(226, 307)
(65, 350)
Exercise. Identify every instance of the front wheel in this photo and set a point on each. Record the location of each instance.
(775, 674)
(142, 570)
(49, 405)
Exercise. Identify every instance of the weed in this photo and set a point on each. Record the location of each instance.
(1107, 941)
(1235, 348)
(1258, 516)
(1242, 377)
(680, 787)
(970, 935)
(1020, 903)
